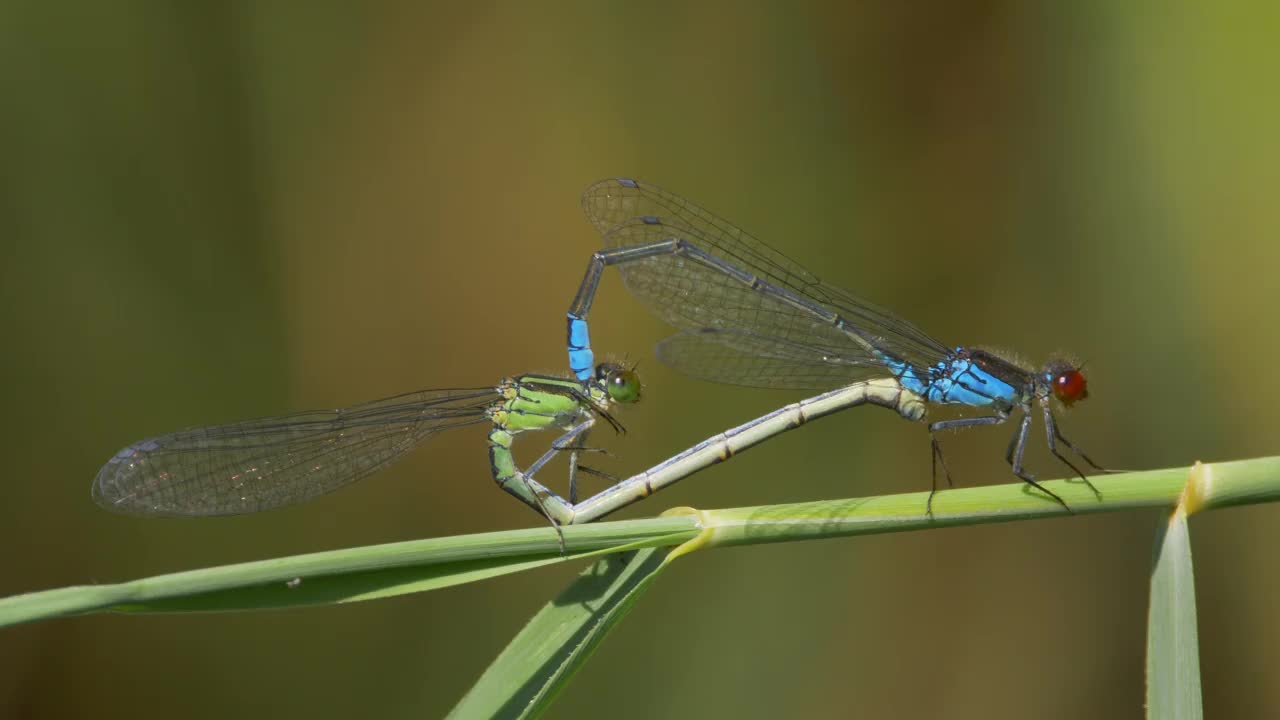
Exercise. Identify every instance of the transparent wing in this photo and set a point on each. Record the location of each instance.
(742, 358)
(254, 465)
(692, 296)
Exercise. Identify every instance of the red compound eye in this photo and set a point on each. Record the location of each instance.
(1070, 386)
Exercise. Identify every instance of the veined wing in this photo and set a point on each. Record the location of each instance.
(693, 296)
(254, 465)
(737, 357)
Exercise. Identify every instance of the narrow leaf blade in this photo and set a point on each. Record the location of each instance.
(528, 674)
(1173, 645)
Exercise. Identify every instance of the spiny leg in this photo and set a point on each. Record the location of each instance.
(936, 453)
(573, 467)
(585, 449)
(1052, 433)
(934, 428)
(1008, 451)
(1023, 428)
(613, 479)
(573, 477)
(1057, 433)
(557, 445)
(560, 444)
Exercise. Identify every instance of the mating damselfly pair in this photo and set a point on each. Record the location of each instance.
(747, 314)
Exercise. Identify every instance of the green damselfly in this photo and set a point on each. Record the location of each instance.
(256, 465)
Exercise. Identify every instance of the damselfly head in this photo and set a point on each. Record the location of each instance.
(621, 383)
(1067, 381)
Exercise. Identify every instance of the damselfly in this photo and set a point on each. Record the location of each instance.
(751, 316)
(254, 465)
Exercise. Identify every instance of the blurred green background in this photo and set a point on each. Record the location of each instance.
(213, 211)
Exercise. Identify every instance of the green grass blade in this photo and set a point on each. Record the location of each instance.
(398, 568)
(1173, 645)
(526, 677)
(348, 575)
(1227, 484)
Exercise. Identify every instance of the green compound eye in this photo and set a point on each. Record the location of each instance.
(623, 386)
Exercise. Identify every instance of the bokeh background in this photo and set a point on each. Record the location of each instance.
(213, 211)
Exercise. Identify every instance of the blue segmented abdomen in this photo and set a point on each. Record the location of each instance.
(581, 360)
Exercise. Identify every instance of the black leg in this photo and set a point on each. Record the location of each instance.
(1052, 434)
(585, 449)
(1013, 445)
(558, 445)
(938, 459)
(1057, 433)
(1020, 447)
(573, 467)
(586, 401)
(564, 442)
(600, 474)
(936, 448)
(967, 422)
